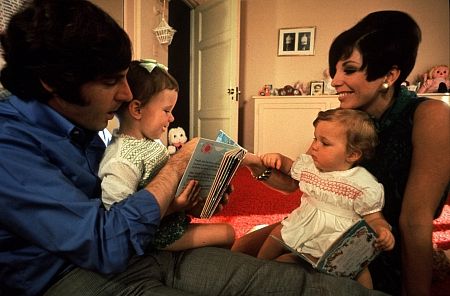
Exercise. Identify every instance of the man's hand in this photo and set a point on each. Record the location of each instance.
(163, 185)
(182, 157)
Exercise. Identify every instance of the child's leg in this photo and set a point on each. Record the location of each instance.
(204, 234)
(287, 258)
(365, 279)
(272, 249)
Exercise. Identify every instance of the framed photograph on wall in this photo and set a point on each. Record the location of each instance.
(296, 41)
(317, 88)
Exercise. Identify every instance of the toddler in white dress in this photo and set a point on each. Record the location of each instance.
(336, 192)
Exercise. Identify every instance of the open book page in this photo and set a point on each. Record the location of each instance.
(213, 164)
(349, 254)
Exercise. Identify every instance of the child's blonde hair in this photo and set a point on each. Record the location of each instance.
(361, 132)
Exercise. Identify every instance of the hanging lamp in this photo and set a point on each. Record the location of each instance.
(164, 33)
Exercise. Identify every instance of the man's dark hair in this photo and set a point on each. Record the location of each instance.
(385, 39)
(63, 43)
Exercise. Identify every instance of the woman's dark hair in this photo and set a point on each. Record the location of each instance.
(385, 39)
(144, 84)
(63, 43)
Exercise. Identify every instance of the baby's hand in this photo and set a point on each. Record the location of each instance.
(188, 198)
(385, 240)
(272, 160)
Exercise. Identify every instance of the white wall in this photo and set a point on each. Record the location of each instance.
(262, 19)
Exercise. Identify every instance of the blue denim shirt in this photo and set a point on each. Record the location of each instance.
(51, 215)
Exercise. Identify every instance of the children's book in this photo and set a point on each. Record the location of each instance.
(213, 164)
(348, 255)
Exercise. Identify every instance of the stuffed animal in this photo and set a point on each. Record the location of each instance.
(177, 137)
(328, 88)
(436, 80)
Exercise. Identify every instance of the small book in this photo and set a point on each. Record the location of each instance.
(213, 164)
(348, 255)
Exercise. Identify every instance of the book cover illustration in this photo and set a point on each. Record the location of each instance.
(213, 164)
(348, 255)
(222, 137)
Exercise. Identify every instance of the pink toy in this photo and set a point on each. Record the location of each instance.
(436, 80)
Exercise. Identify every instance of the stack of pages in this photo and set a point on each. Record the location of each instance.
(213, 164)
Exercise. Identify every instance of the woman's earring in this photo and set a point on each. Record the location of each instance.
(385, 86)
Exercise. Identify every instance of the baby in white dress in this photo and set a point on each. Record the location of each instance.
(336, 192)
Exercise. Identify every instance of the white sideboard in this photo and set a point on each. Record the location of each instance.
(445, 97)
(284, 123)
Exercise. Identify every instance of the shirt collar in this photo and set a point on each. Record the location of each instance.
(40, 114)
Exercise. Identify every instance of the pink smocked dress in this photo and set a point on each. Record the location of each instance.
(330, 204)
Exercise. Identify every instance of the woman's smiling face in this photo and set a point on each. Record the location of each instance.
(352, 87)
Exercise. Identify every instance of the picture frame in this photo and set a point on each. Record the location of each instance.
(296, 41)
(317, 88)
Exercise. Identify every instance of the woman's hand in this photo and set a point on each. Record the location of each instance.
(251, 160)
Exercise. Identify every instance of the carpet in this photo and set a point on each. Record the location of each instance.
(252, 203)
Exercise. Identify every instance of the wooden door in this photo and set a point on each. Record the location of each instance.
(215, 68)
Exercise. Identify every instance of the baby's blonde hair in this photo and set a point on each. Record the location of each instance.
(361, 132)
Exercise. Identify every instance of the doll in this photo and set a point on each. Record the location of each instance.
(436, 80)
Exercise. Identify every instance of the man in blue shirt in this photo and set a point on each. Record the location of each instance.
(66, 65)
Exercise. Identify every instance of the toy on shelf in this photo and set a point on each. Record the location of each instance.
(177, 137)
(328, 89)
(435, 81)
(297, 89)
(266, 90)
(300, 88)
(288, 90)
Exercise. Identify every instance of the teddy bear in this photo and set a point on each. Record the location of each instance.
(436, 80)
(177, 137)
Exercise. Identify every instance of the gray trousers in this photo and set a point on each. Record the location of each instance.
(206, 271)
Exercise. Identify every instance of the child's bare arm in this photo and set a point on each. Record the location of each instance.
(385, 240)
(277, 180)
(277, 161)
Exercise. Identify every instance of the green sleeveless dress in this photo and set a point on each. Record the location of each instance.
(391, 166)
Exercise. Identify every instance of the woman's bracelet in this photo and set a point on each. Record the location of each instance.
(264, 176)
